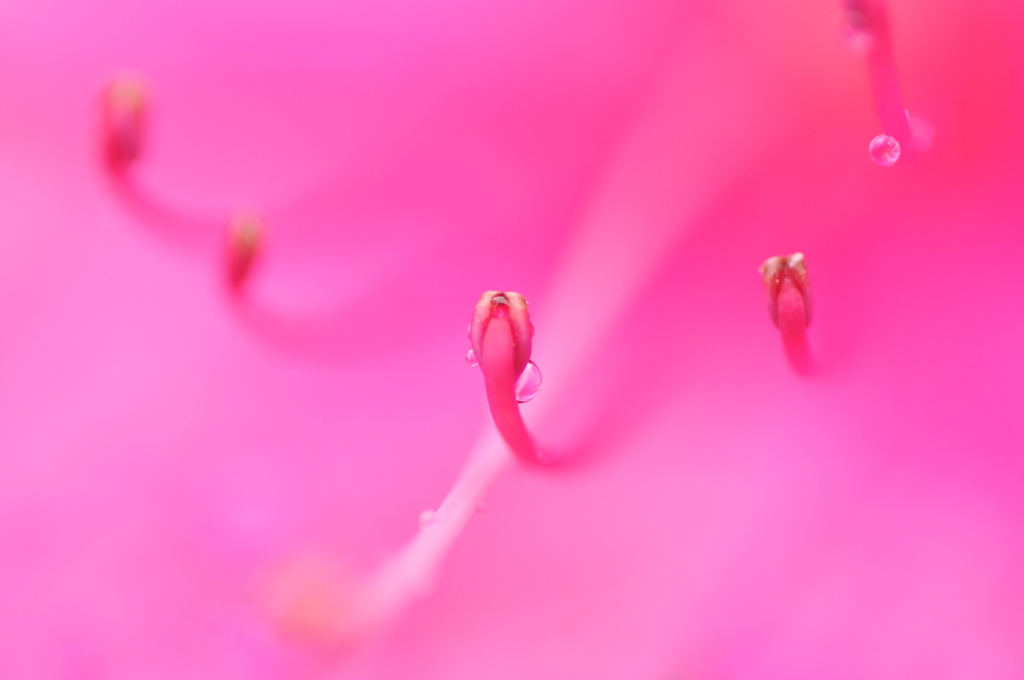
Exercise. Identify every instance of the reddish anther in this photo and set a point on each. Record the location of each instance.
(501, 336)
(513, 306)
(788, 290)
(790, 270)
(245, 236)
(124, 103)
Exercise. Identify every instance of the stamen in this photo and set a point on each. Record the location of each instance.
(868, 28)
(124, 103)
(124, 111)
(788, 291)
(124, 107)
(410, 573)
(501, 335)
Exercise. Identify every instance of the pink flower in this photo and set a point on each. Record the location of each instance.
(186, 490)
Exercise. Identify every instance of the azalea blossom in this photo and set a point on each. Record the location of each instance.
(233, 379)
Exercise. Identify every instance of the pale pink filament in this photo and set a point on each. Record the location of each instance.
(410, 573)
(498, 365)
(501, 334)
(871, 16)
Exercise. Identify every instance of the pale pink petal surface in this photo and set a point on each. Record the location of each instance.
(166, 473)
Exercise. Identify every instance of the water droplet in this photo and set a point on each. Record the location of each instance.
(528, 384)
(425, 518)
(481, 507)
(884, 150)
(471, 358)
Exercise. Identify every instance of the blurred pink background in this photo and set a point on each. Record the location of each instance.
(166, 469)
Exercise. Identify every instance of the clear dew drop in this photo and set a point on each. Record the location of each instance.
(528, 384)
(471, 358)
(884, 150)
(425, 518)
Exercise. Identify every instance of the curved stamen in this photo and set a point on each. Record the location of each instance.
(125, 103)
(410, 573)
(501, 335)
(870, 17)
(869, 21)
(124, 113)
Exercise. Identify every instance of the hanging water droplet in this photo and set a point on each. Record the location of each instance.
(528, 384)
(481, 507)
(471, 357)
(884, 150)
(425, 518)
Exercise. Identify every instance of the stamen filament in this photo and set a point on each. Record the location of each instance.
(124, 106)
(872, 17)
(410, 573)
(501, 335)
(497, 364)
(901, 133)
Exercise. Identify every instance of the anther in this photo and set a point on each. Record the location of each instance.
(501, 336)
(245, 238)
(788, 292)
(503, 305)
(124, 104)
(792, 270)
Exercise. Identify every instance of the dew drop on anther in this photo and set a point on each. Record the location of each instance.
(884, 150)
(528, 384)
(471, 357)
